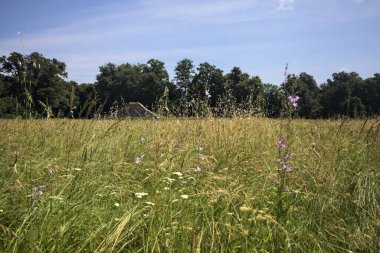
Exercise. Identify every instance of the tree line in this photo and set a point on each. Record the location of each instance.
(34, 86)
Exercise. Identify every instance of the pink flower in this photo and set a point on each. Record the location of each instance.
(293, 100)
(207, 93)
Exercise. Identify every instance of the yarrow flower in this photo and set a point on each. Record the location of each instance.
(177, 173)
(139, 195)
(293, 100)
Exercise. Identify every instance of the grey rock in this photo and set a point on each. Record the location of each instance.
(135, 110)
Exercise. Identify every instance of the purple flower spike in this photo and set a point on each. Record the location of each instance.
(287, 168)
(280, 143)
(287, 156)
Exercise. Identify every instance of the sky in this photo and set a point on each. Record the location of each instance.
(319, 37)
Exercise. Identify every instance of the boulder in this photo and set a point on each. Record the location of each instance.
(135, 110)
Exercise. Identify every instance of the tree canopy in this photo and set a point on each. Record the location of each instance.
(35, 86)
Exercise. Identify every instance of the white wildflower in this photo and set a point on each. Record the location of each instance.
(139, 159)
(117, 204)
(198, 169)
(170, 180)
(184, 196)
(177, 173)
(139, 195)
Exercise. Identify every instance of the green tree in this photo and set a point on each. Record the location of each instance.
(341, 95)
(184, 74)
(308, 91)
(85, 100)
(273, 98)
(238, 83)
(370, 94)
(154, 81)
(36, 82)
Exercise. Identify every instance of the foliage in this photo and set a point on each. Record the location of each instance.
(34, 86)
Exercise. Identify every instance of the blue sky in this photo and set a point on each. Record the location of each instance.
(319, 37)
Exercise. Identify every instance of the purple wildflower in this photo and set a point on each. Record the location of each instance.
(39, 188)
(139, 159)
(207, 93)
(37, 191)
(287, 156)
(280, 143)
(287, 168)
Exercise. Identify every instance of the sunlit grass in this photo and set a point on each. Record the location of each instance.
(186, 185)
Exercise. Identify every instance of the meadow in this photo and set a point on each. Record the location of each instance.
(188, 185)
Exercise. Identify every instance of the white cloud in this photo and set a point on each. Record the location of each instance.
(285, 5)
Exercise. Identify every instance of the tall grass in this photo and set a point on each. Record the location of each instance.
(208, 184)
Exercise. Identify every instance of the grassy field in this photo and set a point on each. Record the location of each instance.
(187, 185)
